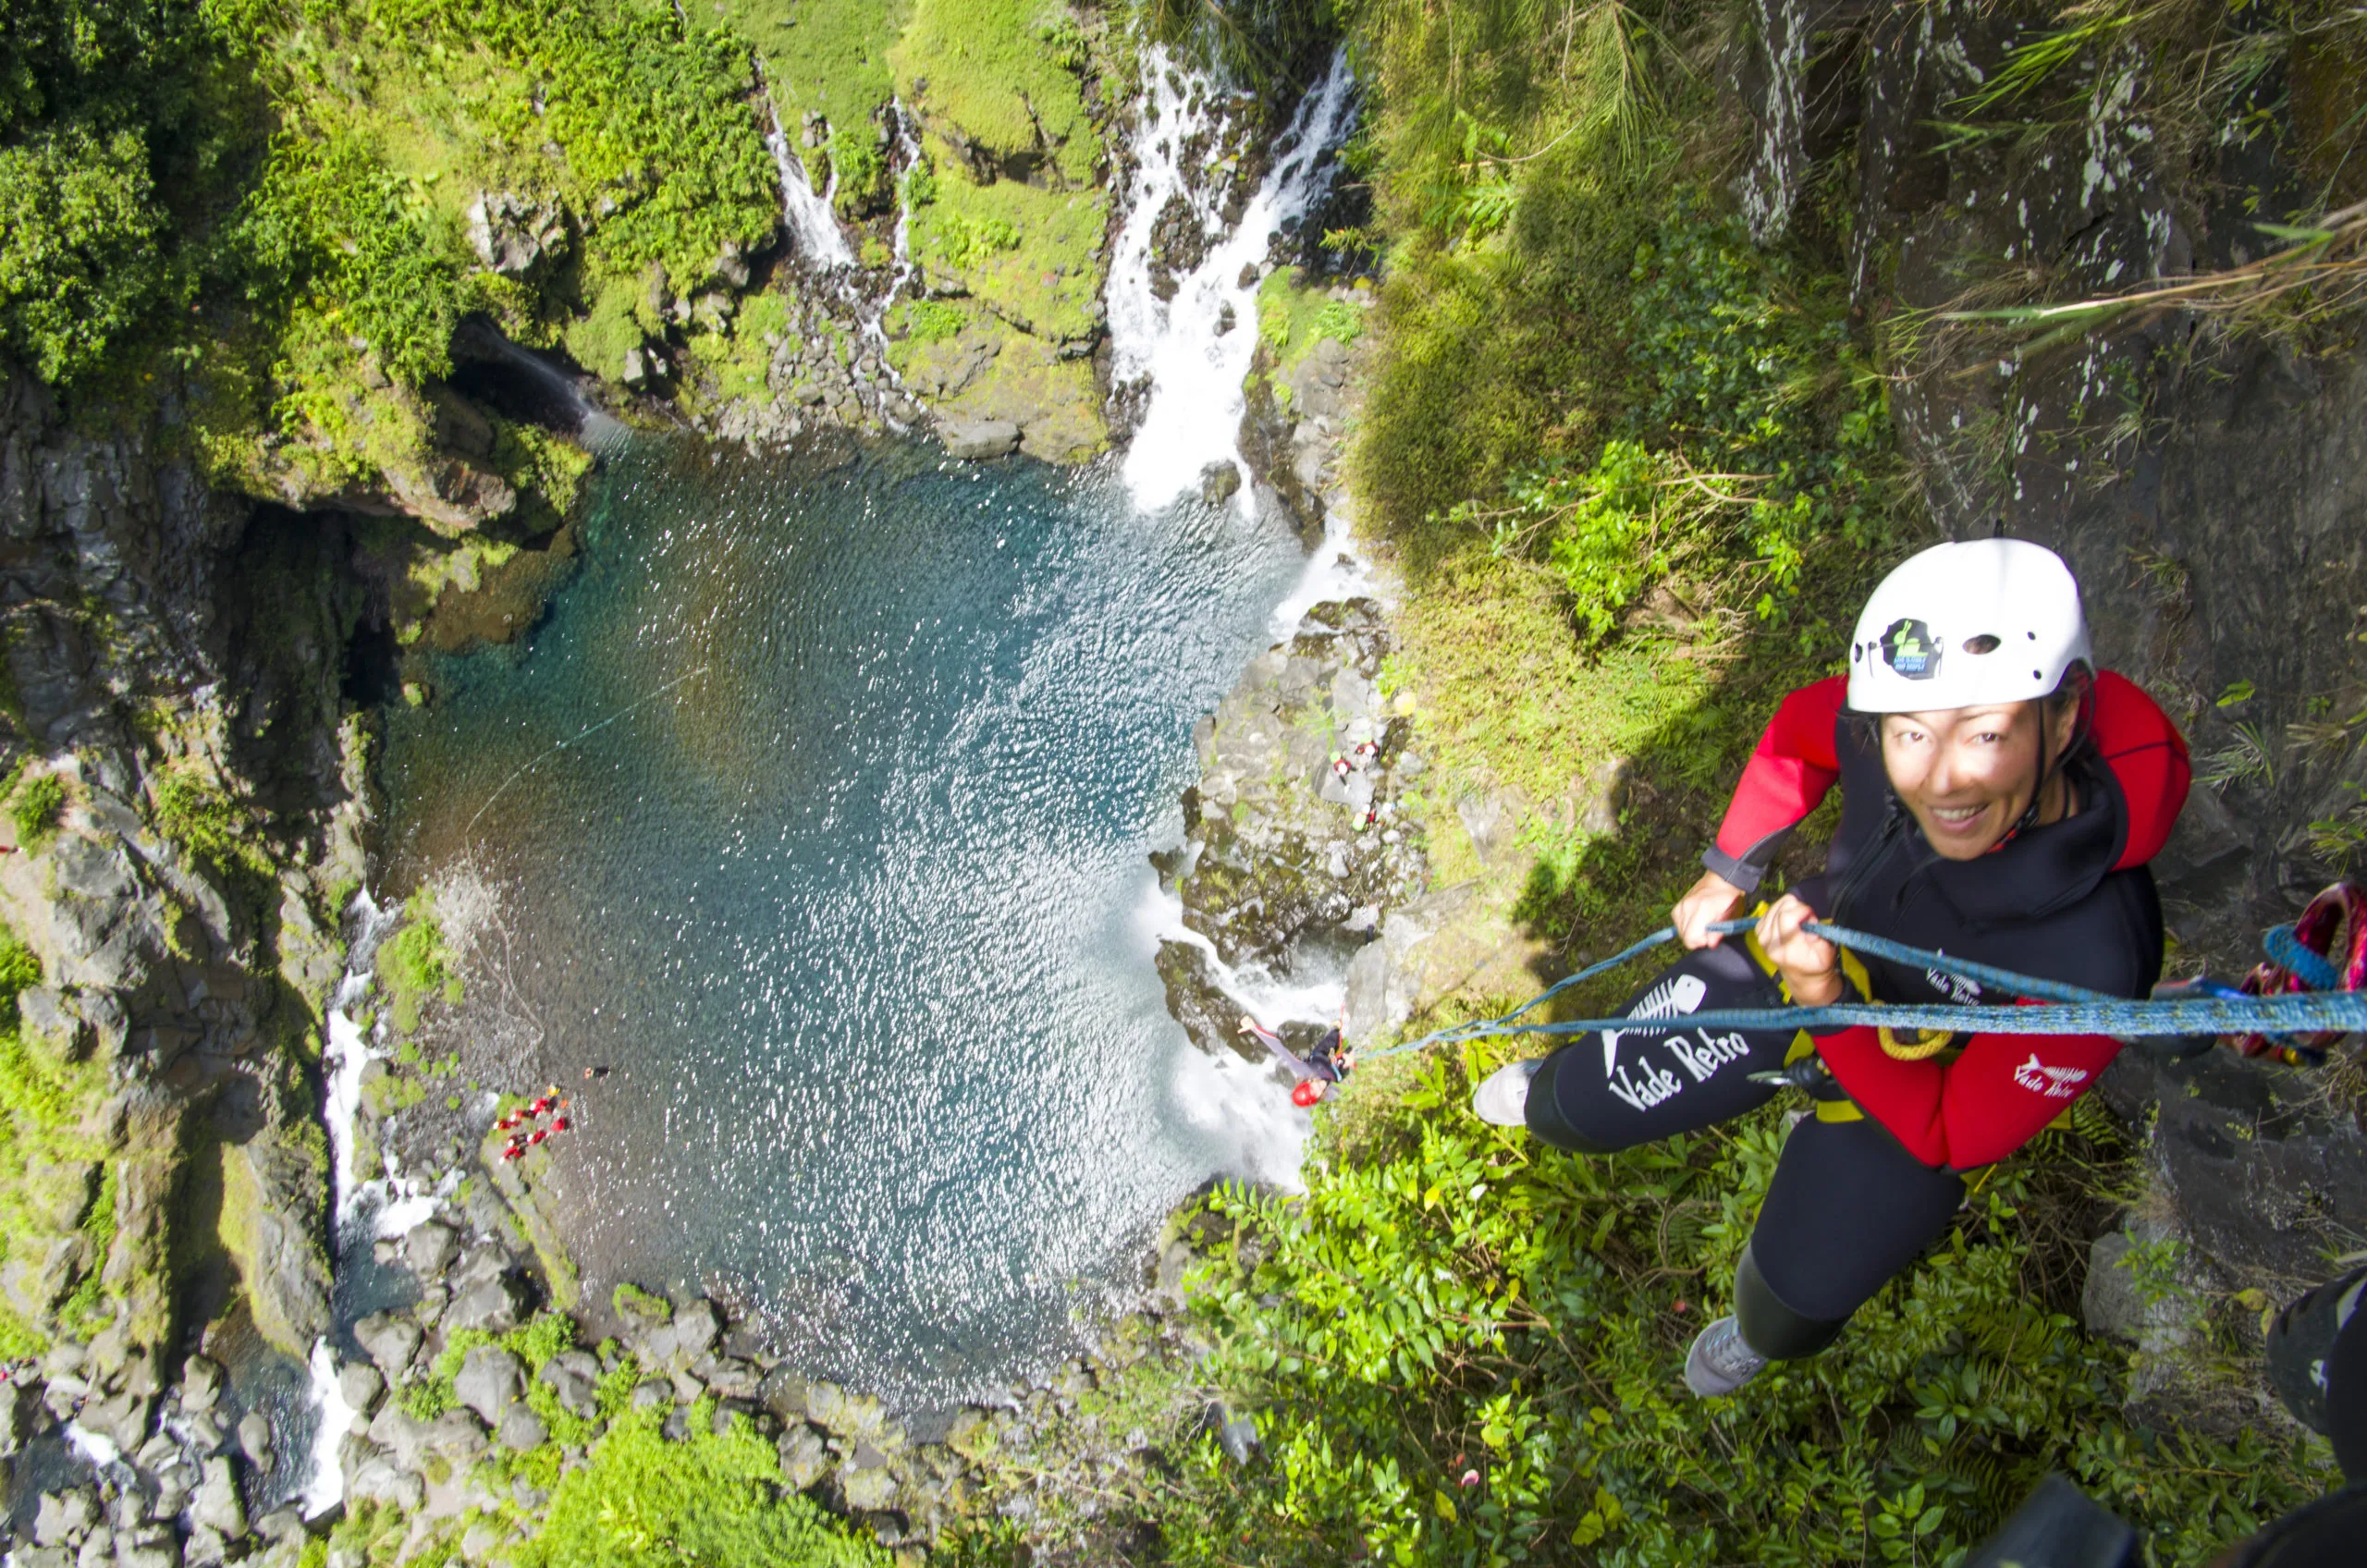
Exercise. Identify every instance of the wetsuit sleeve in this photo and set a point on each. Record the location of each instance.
(1977, 1110)
(1795, 765)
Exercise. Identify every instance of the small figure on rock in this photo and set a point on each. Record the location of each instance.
(1365, 751)
(1327, 1064)
(561, 1123)
(539, 1134)
(592, 1072)
(513, 1149)
(1339, 766)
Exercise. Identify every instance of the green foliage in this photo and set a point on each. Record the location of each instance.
(1002, 74)
(931, 321)
(193, 812)
(415, 965)
(712, 1500)
(1465, 1347)
(36, 807)
(79, 220)
(965, 241)
(630, 1300)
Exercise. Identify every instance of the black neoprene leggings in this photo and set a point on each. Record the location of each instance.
(1849, 1207)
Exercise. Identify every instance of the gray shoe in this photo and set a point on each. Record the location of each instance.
(1502, 1097)
(1719, 1362)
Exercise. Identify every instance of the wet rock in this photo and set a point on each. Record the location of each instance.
(730, 1378)
(200, 1384)
(494, 1307)
(2264, 1177)
(254, 1441)
(490, 1382)
(283, 1527)
(1219, 482)
(804, 1460)
(521, 1431)
(217, 1505)
(973, 440)
(361, 1387)
(121, 1419)
(429, 1248)
(388, 1341)
(573, 1377)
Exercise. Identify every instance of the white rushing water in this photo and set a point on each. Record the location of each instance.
(812, 223)
(1195, 364)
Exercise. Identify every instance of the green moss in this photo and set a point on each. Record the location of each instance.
(192, 812)
(631, 1301)
(737, 359)
(1003, 77)
(829, 56)
(416, 967)
(1292, 318)
(618, 321)
(36, 807)
(1025, 255)
(923, 322)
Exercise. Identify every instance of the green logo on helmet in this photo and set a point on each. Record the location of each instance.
(1909, 648)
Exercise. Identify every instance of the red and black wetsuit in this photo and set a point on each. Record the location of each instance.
(1864, 1186)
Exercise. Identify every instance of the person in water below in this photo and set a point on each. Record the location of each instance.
(2000, 799)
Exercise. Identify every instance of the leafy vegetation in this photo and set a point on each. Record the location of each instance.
(713, 1499)
(1465, 1347)
(35, 808)
(54, 1180)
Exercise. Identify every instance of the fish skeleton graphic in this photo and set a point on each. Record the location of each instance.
(1678, 993)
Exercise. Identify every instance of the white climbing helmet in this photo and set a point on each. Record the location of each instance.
(1982, 621)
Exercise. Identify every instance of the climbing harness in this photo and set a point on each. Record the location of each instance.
(2281, 999)
(2303, 959)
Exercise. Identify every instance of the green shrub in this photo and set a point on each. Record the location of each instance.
(932, 321)
(36, 807)
(1465, 1347)
(78, 265)
(193, 812)
(713, 1499)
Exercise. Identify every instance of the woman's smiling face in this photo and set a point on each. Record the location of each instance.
(1967, 775)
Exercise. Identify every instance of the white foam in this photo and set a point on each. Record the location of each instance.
(1249, 1122)
(326, 1488)
(1335, 569)
(1194, 415)
(811, 221)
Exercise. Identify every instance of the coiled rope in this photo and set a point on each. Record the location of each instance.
(2199, 1007)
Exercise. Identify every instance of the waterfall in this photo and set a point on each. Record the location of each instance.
(598, 430)
(1195, 365)
(811, 224)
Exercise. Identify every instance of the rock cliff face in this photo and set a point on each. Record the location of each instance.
(174, 663)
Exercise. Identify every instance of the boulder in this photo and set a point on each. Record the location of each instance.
(696, 1328)
(200, 1384)
(217, 1505)
(729, 1378)
(490, 1382)
(429, 1248)
(60, 1517)
(973, 440)
(153, 1547)
(573, 1377)
(521, 1431)
(254, 1440)
(122, 1420)
(804, 1458)
(1219, 482)
(43, 1557)
(360, 1386)
(494, 1307)
(866, 1481)
(388, 1341)
(379, 1481)
(512, 234)
(282, 1526)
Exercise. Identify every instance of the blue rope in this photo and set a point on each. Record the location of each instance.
(2286, 949)
(2077, 1011)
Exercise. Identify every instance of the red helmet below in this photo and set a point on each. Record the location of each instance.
(1306, 1093)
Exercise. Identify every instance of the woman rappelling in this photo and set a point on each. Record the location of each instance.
(2000, 799)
